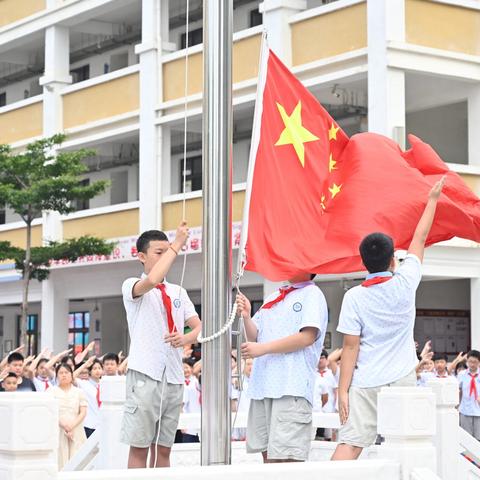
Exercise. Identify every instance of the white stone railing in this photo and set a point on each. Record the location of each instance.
(420, 426)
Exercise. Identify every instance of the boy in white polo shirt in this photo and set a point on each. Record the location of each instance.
(156, 313)
(469, 383)
(377, 320)
(285, 339)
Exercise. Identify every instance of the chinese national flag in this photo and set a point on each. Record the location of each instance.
(314, 193)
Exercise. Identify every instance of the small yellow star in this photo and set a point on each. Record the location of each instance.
(322, 202)
(294, 132)
(331, 164)
(332, 133)
(335, 189)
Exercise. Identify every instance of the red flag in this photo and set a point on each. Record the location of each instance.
(314, 193)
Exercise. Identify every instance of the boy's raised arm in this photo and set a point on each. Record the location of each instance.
(417, 245)
(161, 268)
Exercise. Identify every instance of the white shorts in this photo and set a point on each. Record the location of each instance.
(360, 430)
(282, 427)
(142, 417)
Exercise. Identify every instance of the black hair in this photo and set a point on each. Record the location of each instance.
(66, 358)
(15, 357)
(143, 241)
(312, 276)
(376, 251)
(111, 356)
(94, 363)
(324, 354)
(42, 360)
(459, 366)
(66, 366)
(474, 354)
(189, 361)
(11, 375)
(440, 356)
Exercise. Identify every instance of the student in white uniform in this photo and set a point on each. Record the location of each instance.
(377, 320)
(469, 383)
(157, 312)
(285, 339)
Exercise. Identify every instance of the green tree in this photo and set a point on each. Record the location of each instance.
(42, 179)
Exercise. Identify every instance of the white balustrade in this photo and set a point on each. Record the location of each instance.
(28, 436)
(406, 418)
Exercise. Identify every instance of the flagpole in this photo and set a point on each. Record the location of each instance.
(216, 244)
(257, 121)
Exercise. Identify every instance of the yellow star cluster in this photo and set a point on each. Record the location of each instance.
(332, 165)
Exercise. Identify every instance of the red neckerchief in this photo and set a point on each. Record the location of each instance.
(473, 385)
(376, 281)
(283, 293)
(167, 303)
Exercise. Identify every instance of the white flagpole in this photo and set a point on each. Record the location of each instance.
(257, 123)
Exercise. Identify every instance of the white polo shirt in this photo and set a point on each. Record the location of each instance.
(280, 374)
(469, 405)
(147, 325)
(325, 383)
(383, 315)
(89, 388)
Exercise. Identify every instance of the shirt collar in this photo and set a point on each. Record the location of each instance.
(298, 285)
(379, 274)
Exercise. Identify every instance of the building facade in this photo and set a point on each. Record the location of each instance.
(111, 75)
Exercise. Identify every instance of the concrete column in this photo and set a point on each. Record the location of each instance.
(407, 418)
(165, 160)
(54, 314)
(446, 439)
(111, 453)
(150, 95)
(473, 122)
(276, 14)
(475, 313)
(386, 86)
(28, 437)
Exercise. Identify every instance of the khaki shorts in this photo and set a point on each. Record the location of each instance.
(361, 427)
(282, 427)
(141, 416)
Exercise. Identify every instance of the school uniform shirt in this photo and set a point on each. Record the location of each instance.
(192, 400)
(147, 325)
(89, 388)
(383, 316)
(325, 381)
(43, 384)
(280, 374)
(469, 405)
(319, 390)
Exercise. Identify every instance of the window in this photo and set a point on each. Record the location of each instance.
(3, 99)
(193, 174)
(3, 215)
(118, 61)
(32, 333)
(195, 37)
(256, 18)
(80, 74)
(80, 204)
(78, 331)
(119, 188)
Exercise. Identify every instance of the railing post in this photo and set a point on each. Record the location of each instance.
(28, 436)
(406, 418)
(446, 439)
(111, 453)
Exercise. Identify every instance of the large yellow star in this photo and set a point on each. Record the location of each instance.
(332, 164)
(295, 133)
(332, 133)
(335, 189)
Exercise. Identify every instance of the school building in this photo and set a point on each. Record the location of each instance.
(111, 75)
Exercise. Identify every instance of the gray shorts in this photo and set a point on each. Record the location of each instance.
(361, 427)
(142, 418)
(282, 427)
(471, 425)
